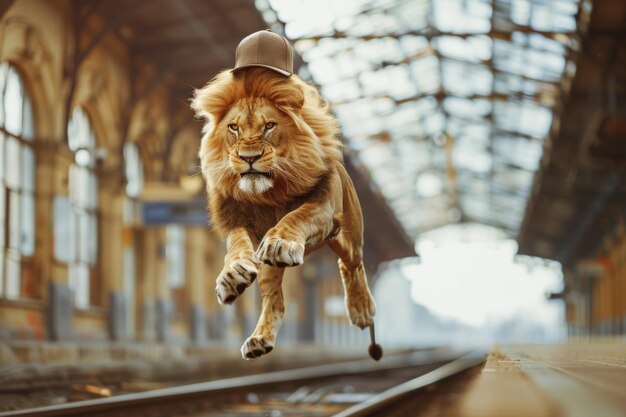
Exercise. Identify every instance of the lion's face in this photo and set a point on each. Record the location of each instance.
(259, 152)
(253, 132)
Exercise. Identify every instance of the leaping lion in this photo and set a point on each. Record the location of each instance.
(277, 189)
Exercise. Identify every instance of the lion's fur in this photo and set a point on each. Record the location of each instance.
(310, 146)
(311, 200)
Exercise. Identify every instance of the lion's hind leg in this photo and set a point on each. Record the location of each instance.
(360, 305)
(263, 338)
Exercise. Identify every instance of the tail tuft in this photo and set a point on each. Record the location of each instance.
(376, 351)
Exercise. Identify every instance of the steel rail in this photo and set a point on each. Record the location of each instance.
(133, 402)
(379, 402)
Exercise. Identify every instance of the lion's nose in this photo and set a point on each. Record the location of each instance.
(250, 156)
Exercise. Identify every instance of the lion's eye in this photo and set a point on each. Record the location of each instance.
(269, 125)
(233, 127)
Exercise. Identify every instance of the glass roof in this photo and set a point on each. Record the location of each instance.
(445, 102)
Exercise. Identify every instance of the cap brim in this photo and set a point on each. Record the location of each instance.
(278, 70)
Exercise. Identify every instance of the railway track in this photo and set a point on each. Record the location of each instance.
(357, 388)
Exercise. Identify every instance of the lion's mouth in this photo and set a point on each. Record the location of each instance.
(252, 172)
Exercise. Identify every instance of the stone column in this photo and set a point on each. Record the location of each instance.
(111, 206)
(149, 270)
(163, 302)
(195, 271)
(213, 258)
(52, 206)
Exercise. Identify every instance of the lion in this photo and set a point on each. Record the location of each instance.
(278, 190)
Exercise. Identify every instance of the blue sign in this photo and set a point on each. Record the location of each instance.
(191, 212)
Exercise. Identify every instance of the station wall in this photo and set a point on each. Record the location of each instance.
(596, 300)
(96, 271)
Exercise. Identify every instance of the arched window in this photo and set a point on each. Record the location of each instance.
(17, 187)
(83, 200)
(134, 170)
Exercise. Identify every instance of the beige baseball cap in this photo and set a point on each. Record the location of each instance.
(265, 49)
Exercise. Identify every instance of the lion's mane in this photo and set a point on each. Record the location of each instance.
(313, 139)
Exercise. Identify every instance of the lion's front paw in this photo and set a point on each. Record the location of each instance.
(277, 251)
(361, 309)
(256, 346)
(234, 279)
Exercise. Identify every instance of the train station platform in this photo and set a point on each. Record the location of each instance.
(574, 380)
(578, 379)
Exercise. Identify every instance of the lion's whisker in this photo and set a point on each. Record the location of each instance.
(221, 170)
